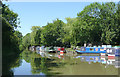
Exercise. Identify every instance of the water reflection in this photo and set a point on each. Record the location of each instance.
(109, 64)
(10, 60)
(56, 64)
(40, 63)
(101, 59)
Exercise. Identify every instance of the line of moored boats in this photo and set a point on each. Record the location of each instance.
(103, 50)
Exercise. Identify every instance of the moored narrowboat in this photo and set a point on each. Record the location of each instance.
(50, 49)
(113, 51)
(91, 50)
(60, 49)
(117, 52)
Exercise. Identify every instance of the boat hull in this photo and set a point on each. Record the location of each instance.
(90, 51)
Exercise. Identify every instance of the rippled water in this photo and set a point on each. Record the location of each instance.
(67, 64)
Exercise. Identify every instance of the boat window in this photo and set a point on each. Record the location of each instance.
(91, 49)
(101, 49)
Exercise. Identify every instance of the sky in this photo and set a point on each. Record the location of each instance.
(41, 13)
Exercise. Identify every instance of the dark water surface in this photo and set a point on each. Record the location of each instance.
(31, 63)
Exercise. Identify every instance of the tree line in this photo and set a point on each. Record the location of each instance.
(11, 40)
(11, 37)
(97, 23)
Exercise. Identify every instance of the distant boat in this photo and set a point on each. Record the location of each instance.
(55, 49)
(50, 49)
(113, 51)
(91, 50)
(117, 53)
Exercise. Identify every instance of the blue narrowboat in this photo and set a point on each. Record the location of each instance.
(91, 50)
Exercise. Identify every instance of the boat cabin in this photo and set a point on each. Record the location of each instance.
(91, 50)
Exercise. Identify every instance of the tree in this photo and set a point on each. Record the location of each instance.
(52, 33)
(19, 36)
(10, 16)
(117, 23)
(11, 38)
(48, 36)
(35, 35)
(96, 23)
(100, 22)
(69, 29)
(26, 41)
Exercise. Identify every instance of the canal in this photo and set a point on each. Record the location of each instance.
(32, 63)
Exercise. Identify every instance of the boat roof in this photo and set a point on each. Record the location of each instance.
(94, 47)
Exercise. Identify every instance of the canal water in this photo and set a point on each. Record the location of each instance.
(32, 63)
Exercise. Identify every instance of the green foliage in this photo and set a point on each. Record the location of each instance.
(35, 35)
(33, 38)
(52, 33)
(10, 16)
(38, 63)
(96, 23)
(26, 40)
(69, 29)
(11, 39)
(19, 36)
(101, 25)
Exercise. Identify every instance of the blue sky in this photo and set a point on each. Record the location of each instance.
(40, 13)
